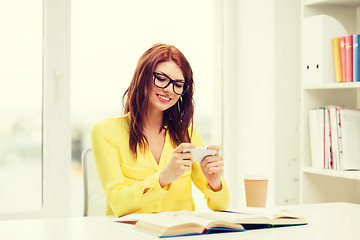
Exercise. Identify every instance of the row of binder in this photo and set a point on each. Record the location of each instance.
(346, 53)
(335, 137)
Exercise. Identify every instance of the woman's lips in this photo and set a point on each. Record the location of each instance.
(163, 98)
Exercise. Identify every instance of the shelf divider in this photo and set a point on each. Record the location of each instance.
(354, 175)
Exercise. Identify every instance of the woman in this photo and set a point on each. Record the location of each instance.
(139, 156)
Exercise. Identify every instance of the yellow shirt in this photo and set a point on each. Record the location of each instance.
(125, 178)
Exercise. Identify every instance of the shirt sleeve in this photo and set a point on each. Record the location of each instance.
(217, 201)
(120, 196)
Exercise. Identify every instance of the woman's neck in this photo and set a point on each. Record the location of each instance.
(154, 121)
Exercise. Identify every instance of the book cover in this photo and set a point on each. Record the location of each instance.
(349, 58)
(335, 44)
(356, 55)
(342, 57)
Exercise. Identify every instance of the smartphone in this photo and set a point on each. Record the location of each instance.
(200, 153)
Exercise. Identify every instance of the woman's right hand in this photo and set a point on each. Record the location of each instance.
(178, 164)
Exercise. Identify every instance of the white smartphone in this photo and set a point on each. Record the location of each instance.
(200, 153)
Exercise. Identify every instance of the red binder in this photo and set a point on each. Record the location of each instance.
(342, 57)
(349, 58)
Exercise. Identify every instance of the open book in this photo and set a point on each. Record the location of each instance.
(251, 218)
(180, 223)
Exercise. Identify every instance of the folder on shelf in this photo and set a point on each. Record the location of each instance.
(327, 145)
(317, 59)
(334, 138)
(350, 138)
(317, 135)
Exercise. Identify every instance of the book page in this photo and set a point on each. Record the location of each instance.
(134, 217)
(170, 221)
(237, 217)
(252, 215)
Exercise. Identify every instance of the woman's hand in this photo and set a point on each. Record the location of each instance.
(179, 163)
(212, 167)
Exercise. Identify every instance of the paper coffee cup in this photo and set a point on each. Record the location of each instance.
(256, 190)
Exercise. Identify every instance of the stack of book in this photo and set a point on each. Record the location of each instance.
(335, 137)
(346, 54)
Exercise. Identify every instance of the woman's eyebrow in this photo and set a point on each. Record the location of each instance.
(181, 80)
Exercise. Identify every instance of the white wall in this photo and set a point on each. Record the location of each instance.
(256, 130)
(287, 101)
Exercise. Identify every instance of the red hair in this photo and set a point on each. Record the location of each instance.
(176, 119)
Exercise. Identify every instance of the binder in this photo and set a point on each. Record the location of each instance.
(335, 43)
(356, 60)
(349, 58)
(342, 57)
(317, 59)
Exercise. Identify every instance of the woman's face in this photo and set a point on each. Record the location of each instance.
(161, 99)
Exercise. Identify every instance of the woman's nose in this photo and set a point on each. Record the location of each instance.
(169, 88)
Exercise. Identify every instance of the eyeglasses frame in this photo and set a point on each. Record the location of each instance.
(185, 87)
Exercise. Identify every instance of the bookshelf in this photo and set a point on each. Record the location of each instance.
(325, 185)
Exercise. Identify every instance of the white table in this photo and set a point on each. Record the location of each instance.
(340, 221)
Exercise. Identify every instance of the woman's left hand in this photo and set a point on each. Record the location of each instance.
(212, 167)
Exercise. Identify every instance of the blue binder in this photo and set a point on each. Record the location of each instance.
(356, 60)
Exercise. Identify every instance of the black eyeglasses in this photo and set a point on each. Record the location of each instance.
(162, 81)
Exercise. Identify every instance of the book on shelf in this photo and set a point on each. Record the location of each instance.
(346, 58)
(342, 57)
(356, 56)
(335, 44)
(340, 127)
(349, 58)
(182, 223)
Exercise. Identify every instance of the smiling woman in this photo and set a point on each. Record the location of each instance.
(106, 48)
(152, 136)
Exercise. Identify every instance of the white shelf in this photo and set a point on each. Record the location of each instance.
(344, 85)
(324, 185)
(349, 3)
(353, 175)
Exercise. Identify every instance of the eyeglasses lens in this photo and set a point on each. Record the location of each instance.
(163, 81)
